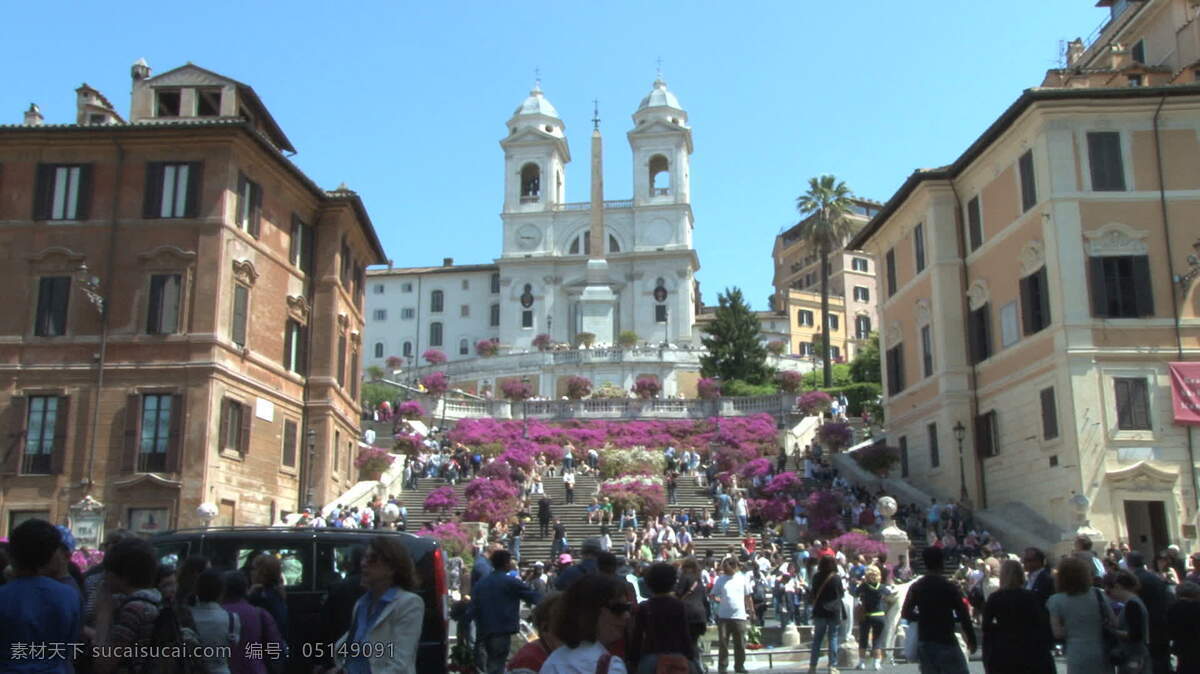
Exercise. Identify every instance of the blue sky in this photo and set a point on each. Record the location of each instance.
(406, 102)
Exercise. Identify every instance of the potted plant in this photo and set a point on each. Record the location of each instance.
(627, 339)
(435, 383)
(541, 342)
(835, 435)
(586, 339)
(516, 390)
(790, 381)
(434, 357)
(410, 409)
(646, 387)
(486, 348)
(394, 362)
(578, 387)
(708, 388)
(813, 402)
(372, 462)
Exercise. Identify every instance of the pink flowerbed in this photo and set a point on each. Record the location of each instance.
(434, 357)
(853, 543)
(813, 402)
(435, 383)
(775, 509)
(491, 500)
(708, 388)
(643, 495)
(824, 514)
(453, 537)
(759, 467)
(441, 499)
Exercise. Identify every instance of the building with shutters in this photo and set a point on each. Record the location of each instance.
(1036, 288)
(183, 312)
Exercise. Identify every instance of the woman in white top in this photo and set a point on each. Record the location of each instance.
(591, 617)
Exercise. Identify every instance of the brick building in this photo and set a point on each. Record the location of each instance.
(183, 314)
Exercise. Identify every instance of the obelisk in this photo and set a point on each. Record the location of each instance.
(597, 302)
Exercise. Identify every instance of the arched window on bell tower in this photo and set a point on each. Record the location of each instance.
(660, 176)
(531, 183)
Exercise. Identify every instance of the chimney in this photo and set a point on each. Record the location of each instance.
(447, 262)
(140, 70)
(1074, 51)
(1119, 55)
(389, 264)
(33, 116)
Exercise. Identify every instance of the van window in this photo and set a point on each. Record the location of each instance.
(334, 562)
(295, 559)
(172, 554)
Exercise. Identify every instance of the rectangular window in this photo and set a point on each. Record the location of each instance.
(1133, 403)
(53, 293)
(466, 284)
(464, 348)
(172, 190)
(974, 224)
(1121, 286)
(208, 102)
(1104, 159)
(290, 432)
(406, 287)
(407, 314)
(45, 434)
(862, 294)
(162, 317)
(341, 360)
(1035, 301)
(1138, 52)
(495, 284)
(526, 319)
(301, 245)
(927, 350)
(380, 314)
(168, 103)
(464, 310)
(235, 426)
(890, 263)
(435, 334)
(155, 438)
(241, 307)
(494, 318)
(895, 369)
(1028, 181)
(337, 449)
(806, 349)
(1049, 414)
(980, 329)
(903, 456)
(804, 317)
(354, 375)
(833, 323)
(935, 458)
(835, 353)
(294, 347)
(858, 264)
(62, 192)
(919, 246)
(249, 205)
(862, 327)
(1009, 332)
(345, 264)
(378, 289)
(379, 349)
(437, 301)
(660, 313)
(987, 438)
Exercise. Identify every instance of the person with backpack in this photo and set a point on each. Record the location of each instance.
(259, 634)
(216, 628)
(130, 570)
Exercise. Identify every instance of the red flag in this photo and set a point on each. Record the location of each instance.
(1185, 392)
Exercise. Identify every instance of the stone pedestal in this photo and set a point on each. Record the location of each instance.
(789, 637)
(598, 304)
(893, 536)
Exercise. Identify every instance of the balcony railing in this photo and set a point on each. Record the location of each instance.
(613, 408)
(585, 205)
(660, 191)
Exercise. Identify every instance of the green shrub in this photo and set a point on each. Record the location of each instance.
(858, 395)
(738, 389)
(840, 372)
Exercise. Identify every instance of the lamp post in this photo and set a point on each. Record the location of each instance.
(960, 432)
(90, 285)
(525, 407)
(308, 474)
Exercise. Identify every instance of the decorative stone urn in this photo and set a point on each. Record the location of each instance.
(894, 537)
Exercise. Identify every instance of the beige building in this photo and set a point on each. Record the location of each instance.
(1033, 294)
(853, 289)
(183, 313)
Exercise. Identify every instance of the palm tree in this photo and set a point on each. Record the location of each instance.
(825, 207)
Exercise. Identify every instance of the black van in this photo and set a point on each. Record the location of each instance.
(313, 560)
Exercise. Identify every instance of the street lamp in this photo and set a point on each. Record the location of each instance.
(525, 407)
(960, 432)
(90, 285)
(308, 476)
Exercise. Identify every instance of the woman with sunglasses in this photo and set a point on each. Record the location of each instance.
(590, 617)
(386, 622)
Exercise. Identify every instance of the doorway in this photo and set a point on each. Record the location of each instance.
(1146, 526)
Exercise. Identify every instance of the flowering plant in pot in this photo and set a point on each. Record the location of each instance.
(586, 339)
(646, 387)
(454, 538)
(775, 509)
(813, 402)
(835, 435)
(877, 458)
(486, 348)
(790, 381)
(408, 443)
(541, 342)
(441, 500)
(434, 356)
(394, 362)
(516, 390)
(410, 409)
(708, 388)
(776, 346)
(627, 339)
(857, 542)
(578, 387)
(435, 383)
(373, 461)
(760, 467)
(609, 391)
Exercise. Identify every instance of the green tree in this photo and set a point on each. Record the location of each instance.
(865, 366)
(826, 226)
(374, 373)
(732, 340)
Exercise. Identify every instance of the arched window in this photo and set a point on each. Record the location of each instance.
(407, 351)
(463, 348)
(379, 349)
(435, 334)
(660, 175)
(613, 246)
(531, 182)
(584, 242)
(437, 300)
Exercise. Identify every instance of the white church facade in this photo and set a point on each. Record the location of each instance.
(553, 275)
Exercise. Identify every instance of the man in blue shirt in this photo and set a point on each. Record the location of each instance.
(495, 607)
(35, 609)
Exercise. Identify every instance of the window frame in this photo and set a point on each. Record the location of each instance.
(863, 296)
(987, 437)
(156, 309)
(1035, 302)
(494, 316)
(248, 208)
(437, 301)
(1106, 168)
(155, 461)
(295, 347)
(52, 436)
(379, 315)
(935, 458)
(1137, 395)
(239, 323)
(854, 264)
(527, 319)
(407, 313)
(1125, 293)
(660, 313)
(903, 446)
(155, 198)
(805, 318)
(53, 309)
(919, 246)
(979, 328)
(341, 359)
(974, 224)
(495, 283)
(55, 201)
(859, 333)
(437, 334)
(927, 350)
(227, 442)
(1027, 176)
(890, 276)
(894, 363)
(1049, 413)
(294, 437)
(300, 245)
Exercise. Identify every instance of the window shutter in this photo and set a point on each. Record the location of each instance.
(244, 438)
(307, 254)
(175, 434)
(1139, 404)
(14, 445)
(43, 191)
(59, 455)
(152, 199)
(1028, 310)
(195, 183)
(1042, 281)
(83, 203)
(294, 241)
(1099, 287)
(288, 335)
(302, 348)
(224, 432)
(133, 404)
(1142, 288)
(154, 311)
(241, 201)
(255, 209)
(1049, 415)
